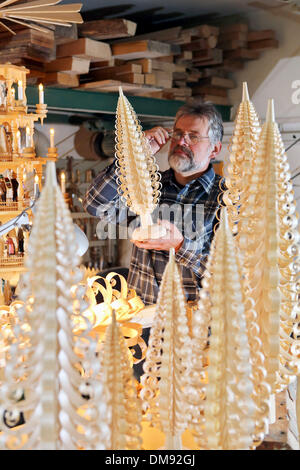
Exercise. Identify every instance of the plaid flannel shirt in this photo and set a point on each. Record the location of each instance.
(147, 266)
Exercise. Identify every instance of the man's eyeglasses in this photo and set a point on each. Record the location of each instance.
(190, 137)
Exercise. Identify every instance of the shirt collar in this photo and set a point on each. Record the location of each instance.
(206, 180)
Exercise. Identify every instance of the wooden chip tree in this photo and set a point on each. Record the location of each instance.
(167, 363)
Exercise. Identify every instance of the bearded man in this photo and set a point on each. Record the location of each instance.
(190, 188)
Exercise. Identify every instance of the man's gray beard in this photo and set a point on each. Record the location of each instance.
(181, 164)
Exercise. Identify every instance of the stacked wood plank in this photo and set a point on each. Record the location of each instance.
(174, 63)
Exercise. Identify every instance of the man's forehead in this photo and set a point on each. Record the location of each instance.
(191, 122)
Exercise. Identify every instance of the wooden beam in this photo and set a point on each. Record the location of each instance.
(107, 29)
(259, 35)
(63, 35)
(86, 49)
(142, 49)
(263, 44)
(202, 43)
(220, 82)
(61, 80)
(221, 100)
(209, 90)
(71, 65)
(241, 53)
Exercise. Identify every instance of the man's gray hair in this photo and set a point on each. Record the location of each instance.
(204, 110)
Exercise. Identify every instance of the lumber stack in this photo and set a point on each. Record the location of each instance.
(174, 63)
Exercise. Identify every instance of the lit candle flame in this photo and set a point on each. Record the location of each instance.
(51, 137)
(41, 93)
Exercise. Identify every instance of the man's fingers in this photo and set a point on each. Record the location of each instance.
(160, 134)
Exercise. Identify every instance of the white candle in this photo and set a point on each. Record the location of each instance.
(63, 182)
(20, 90)
(19, 139)
(36, 186)
(28, 137)
(51, 138)
(41, 94)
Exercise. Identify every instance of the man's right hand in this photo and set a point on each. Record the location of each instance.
(158, 137)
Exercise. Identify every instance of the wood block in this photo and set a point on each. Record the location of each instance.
(146, 64)
(180, 76)
(179, 83)
(214, 72)
(113, 72)
(208, 54)
(163, 66)
(62, 35)
(221, 100)
(242, 27)
(243, 54)
(209, 90)
(86, 49)
(150, 79)
(167, 58)
(61, 80)
(232, 44)
(136, 78)
(106, 63)
(204, 31)
(15, 55)
(179, 91)
(107, 28)
(178, 68)
(260, 35)
(184, 38)
(35, 76)
(116, 73)
(263, 44)
(38, 39)
(113, 86)
(218, 82)
(108, 85)
(207, 43)
(141, 49)
(185, 56)
(71, 65)
(193, 76)
(233, 36)
(163, 79)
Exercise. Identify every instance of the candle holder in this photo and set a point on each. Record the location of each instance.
(28, 152)
(41, 109)
(19, 107)
(52, 153)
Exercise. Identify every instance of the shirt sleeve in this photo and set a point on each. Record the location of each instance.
(102, 199)
(192, 255)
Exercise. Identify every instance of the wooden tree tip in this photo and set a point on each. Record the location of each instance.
(245, 92)
(270, 116)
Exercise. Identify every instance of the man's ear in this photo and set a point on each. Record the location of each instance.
(216, 150)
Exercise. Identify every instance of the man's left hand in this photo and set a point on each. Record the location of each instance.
(172, 239)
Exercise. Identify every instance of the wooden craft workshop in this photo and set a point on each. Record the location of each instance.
(149, 229)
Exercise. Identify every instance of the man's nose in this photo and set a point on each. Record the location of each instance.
(182, 139)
